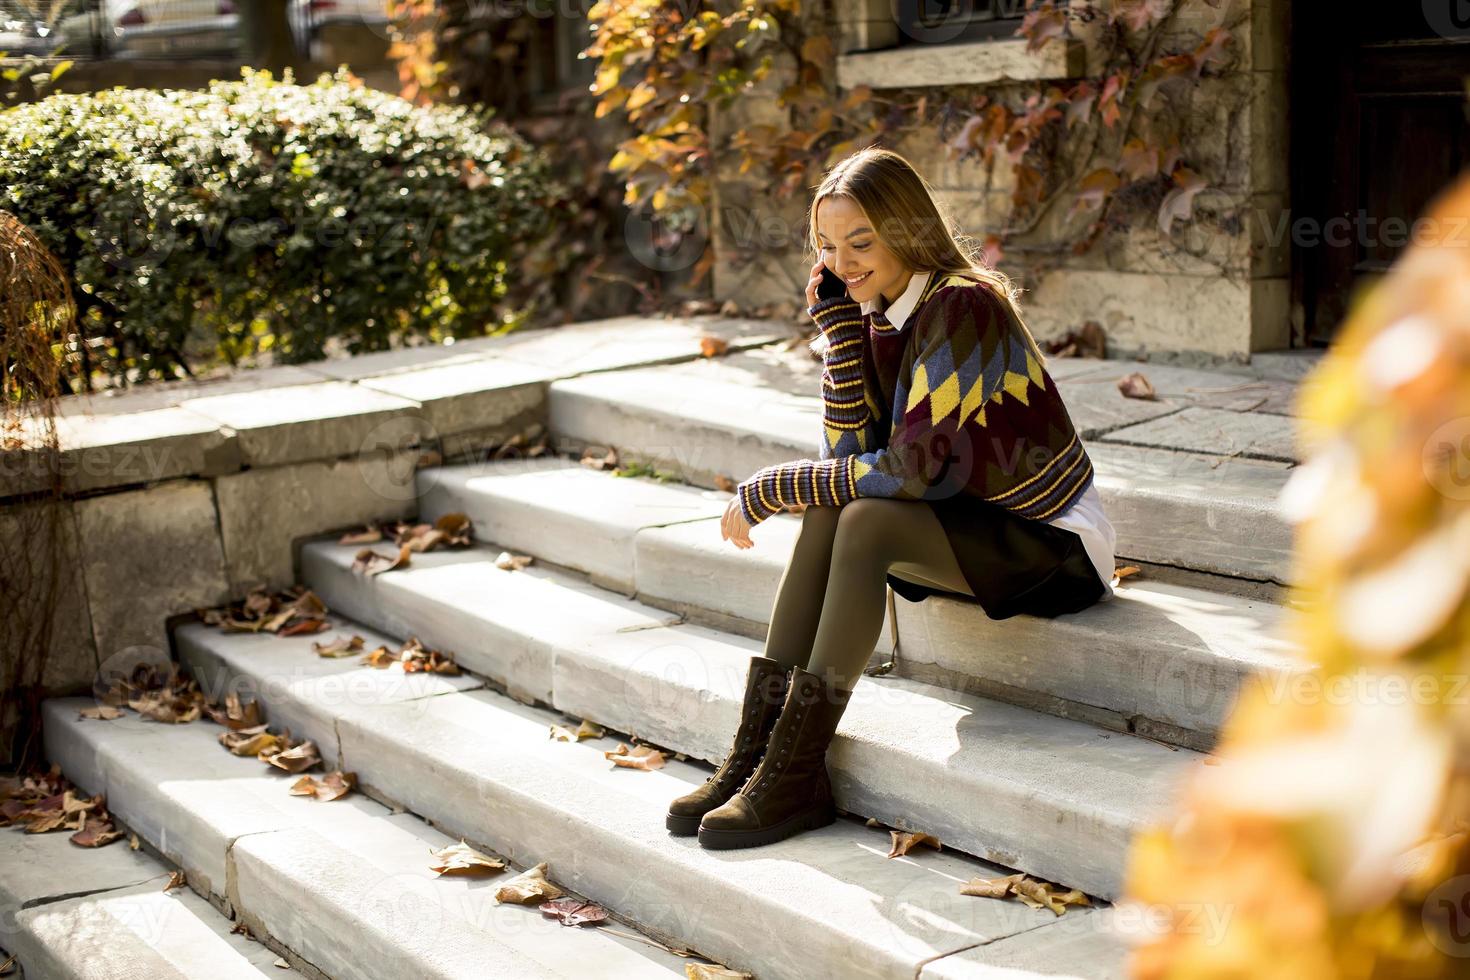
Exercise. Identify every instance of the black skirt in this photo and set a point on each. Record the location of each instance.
(1013, 564)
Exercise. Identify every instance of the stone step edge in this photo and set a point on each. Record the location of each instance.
(232, 907)
(856, 761)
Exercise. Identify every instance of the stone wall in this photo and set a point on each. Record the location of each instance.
(1215, 293)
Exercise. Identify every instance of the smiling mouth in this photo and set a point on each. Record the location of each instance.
(858, 282)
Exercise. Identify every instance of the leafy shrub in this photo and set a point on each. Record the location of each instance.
(265, 215)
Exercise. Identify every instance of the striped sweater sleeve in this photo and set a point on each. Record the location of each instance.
(963, 336)
(848, 425)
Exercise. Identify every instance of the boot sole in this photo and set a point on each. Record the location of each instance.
(682, 826)
(809, 819)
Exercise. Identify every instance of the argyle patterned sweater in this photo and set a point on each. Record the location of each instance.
(972, 412)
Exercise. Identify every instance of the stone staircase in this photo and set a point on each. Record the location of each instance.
(1026, 744)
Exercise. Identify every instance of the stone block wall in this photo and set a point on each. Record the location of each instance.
(1214, 292)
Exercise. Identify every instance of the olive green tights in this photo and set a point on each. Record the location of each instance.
(829, 607)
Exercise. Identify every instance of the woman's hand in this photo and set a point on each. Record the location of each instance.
(734, 527)
(813, 283)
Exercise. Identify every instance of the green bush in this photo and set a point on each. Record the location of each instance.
(262, 214)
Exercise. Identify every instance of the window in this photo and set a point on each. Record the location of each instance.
(952, 21)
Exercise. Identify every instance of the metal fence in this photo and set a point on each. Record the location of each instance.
(168, 28)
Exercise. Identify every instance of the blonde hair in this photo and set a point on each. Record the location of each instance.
(900, 206)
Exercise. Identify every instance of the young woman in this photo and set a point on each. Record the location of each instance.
(949, 466)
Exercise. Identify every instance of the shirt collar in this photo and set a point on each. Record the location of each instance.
(896, 315)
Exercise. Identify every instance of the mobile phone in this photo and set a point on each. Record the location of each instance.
(831, 285)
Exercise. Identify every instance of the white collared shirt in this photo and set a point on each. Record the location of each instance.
(898, 312)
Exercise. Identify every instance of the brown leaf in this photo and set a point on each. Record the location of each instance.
(990, 887)
(96, 833)
(528, 887)
(342, 646)
(249, 741)
(370, 536)
(599, 461)
(370, 562)
(713, 971)
(511, 562)
(642, 757)
(297, 758)
(713, 346)
(905, 841)
(462, 859)
(102, 712)
(176, 879)
(725, 483)
(574, 911)
(133, 842)
(1043, 894)
(381, 658)
(1136, 385)
(1125, 571)
(333, 786)
(584, 730)
(236, 715)
(457, 529)
(304, 626)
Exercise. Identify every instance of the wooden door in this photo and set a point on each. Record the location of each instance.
(1379, 126)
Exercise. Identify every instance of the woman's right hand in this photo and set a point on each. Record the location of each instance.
(813, 283)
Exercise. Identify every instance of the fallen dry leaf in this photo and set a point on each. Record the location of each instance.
(462, 859)
(249, 741)
(102, 712)
(333, 786)
(584, 730)
(713, 971)
(725, 483)
(713, 346)
(296, 758)
(134, 843)
(592, 459)
(97, 832)
(905, 841)
(370, 535)
(511, 562)
(235, 714)
(1125, 571)
(990, 887)
(176, 879)
(530, 886)
(280, 963)
(1036, 894)
(641, 757)
(371, 562)
(872, 822)
(1136, 385)
(574, 911)
(342, 646)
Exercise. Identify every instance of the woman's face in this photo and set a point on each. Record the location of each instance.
(852, 249)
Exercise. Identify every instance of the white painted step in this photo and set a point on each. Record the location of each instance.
(1057, 798)
(733, 415)
(1174, 656)
(826, 903)
(76, 913)
(345, 884)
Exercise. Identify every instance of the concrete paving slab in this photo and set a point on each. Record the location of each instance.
(627, 341)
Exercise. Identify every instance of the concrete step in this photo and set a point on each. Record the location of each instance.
(733, 415)
(1168, 657)
(827, 903)
(75, 913)
(343, 885)
(1062, 798)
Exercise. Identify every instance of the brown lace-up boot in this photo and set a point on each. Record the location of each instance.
(790, 790)
(765, 691)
